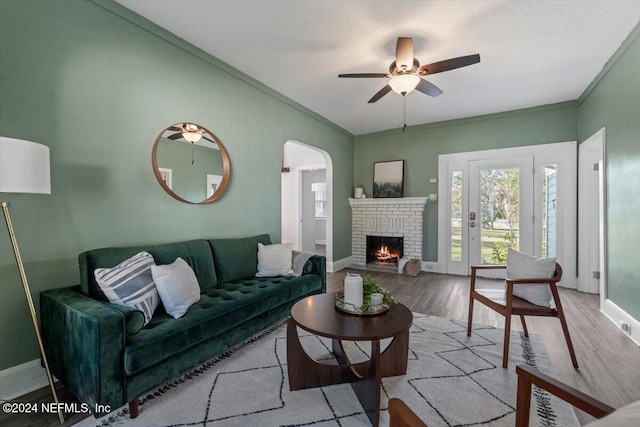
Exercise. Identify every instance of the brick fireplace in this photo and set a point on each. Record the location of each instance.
(380, 218)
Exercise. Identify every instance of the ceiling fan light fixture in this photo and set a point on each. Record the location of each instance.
(192, 136)
(404, 83)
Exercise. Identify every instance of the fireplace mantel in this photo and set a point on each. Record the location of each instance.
(389, 201)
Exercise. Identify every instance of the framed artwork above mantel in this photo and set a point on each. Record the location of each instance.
(388, 179)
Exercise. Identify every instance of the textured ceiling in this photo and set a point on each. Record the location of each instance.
(532, 52)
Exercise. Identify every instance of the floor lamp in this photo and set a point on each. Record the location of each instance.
(24, 168)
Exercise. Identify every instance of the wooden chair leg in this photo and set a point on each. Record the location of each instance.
(523, 401)
(470, 319)
(565, 328)
(471, 291)
(567, 337)
(524, 326)
(507, 335)
(133, 408)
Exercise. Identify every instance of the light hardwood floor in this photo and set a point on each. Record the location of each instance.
(609, 361)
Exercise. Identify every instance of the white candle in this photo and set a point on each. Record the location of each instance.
(376, 299)
(353, 292)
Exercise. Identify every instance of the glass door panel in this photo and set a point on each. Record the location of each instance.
(500, 209)
(455, 244)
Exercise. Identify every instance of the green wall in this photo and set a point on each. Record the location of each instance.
(613, 102)
(419, 147)
(97, 84)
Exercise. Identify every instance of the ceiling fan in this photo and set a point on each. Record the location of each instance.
(189, 132)
(406, 73)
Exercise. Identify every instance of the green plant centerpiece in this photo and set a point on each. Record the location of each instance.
(369, 287)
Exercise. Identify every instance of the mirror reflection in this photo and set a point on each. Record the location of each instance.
(191, 163)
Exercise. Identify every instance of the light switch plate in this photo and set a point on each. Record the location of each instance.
(433, 197)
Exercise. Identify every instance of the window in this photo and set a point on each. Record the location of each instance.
(456, 216)
(320, 196)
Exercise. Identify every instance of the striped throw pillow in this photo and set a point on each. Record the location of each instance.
(130, 283)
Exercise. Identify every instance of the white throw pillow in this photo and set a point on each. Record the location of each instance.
(130, 283)
(274, 260)
(177, 285)
(523, 266)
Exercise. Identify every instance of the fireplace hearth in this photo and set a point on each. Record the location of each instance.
(384, 251)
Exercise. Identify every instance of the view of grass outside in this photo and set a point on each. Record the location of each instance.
(499, 213)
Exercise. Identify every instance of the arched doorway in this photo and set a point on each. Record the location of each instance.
(307, 198)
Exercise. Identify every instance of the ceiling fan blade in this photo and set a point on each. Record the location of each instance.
(364, 75)
(175, 136)
(428, 88)
(382, 92)
(174, 128)
(449, 64)
(208, 139)
(404, 53)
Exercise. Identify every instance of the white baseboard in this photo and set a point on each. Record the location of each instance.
(321, 242)
(619, 316)
(21, 379)
(338, 265)
(431, 266)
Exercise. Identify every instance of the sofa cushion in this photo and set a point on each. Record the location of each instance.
(197, 253)
(274, 260)
(218, 311)
(237, 259)
(177, 286)
(130, 283)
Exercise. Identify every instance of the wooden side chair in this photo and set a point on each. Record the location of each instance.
(528, 376)
(506, 304)
(400, 415)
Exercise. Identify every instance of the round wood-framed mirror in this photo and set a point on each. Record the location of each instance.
(190, 163)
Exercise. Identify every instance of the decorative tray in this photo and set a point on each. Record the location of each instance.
(350, 309)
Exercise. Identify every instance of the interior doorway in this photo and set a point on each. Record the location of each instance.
(307, 208)
(313, 222)
(591, 208)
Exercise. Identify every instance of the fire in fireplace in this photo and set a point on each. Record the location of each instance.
(384, 251)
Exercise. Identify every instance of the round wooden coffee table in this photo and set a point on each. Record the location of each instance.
(317, 314)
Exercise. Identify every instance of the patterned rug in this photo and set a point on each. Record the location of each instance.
(452, 380)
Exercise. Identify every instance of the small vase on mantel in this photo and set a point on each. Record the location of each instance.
(353, 291)
(359, 191)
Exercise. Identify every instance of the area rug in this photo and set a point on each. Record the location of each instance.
(452, 380)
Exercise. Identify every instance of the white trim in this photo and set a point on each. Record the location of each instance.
(431, 266)
(21, 379)
(338, 265)
(321, 242)
(389, 201)
(595, 143)
(618, 315)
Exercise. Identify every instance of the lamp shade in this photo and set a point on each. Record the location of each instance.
(404, 83)
(192, 136)
(24, 167)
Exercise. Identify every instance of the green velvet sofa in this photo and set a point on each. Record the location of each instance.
(104, 356)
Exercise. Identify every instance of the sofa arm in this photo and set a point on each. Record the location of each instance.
(319, 267)
(84, 340)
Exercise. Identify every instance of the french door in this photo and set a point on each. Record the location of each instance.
(522, 198)
(500, 209)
